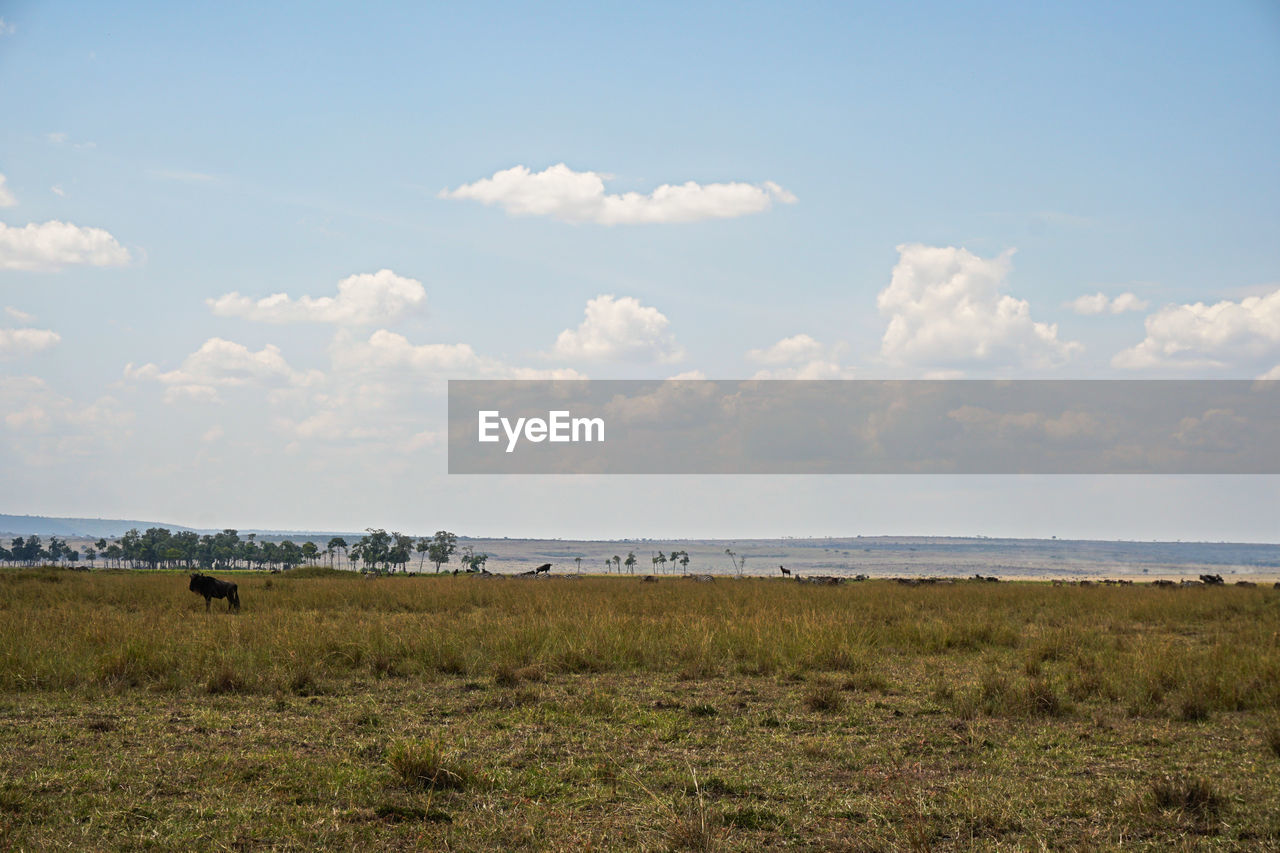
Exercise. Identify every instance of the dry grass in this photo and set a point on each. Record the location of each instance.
(403, 713)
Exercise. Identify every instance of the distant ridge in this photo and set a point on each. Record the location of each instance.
(114, 528)
(39, 525)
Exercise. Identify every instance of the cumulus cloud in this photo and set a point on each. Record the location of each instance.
(362, 300)
(799, 357)
(383, 387)
(1100, 303)
(392, 353)
(946, 311)
(53, 245)
(15, 342)
(561, 193)
(620, 329)
(45, 427)
(222, 364)
(1244, 333)
(6, 197)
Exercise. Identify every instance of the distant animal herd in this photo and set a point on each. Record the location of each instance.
(211, 587)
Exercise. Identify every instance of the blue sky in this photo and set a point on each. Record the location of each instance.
(962, 173)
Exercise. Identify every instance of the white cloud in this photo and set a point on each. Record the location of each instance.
(222, 364)
(946, 311)
(1100, 303)
(213, 433)
(20, 316)
(393, 354)
(6, 197)
(561, 193)
(6, 28)
(1273, 373)
(54, 244)
(23, 341)
(1244, 333)
(46, 428)
(688, 375)
(790, 350)
(620, 329)
(799, 357)
(362, 300)
(382, 388)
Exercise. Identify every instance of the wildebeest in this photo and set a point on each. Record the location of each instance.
(212, 588)
(545, 568)
(1212, 580)
(786, 573)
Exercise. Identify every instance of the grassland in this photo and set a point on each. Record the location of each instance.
(605, 713)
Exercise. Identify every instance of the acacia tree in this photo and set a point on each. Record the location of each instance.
(631, 562)
(334, 544)
(442, 545)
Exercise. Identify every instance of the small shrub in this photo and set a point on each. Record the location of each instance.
(694, 829)
(1043, 699)
(425, 765)
(302, 681)
(1194, 708)
(824, 698)
(505, 676)
(225, 680)
(1194, 795)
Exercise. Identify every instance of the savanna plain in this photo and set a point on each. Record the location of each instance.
(490, 713)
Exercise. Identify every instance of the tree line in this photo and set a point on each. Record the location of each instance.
(160, 548)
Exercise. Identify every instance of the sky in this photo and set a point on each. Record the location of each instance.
(244, 246)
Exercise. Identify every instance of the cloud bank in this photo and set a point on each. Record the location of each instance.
(24, 341)
(1241, 334)
(799, 357)
(362, 300)
(946, 310)
(620, 329)
(1100, 303)
(561, 193)
(53, 245)
(221, 364)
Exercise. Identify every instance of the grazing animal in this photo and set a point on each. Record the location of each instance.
(1248, 584)
(1212, 580)
(786, 573)
(1186, 582)
(212, 588)
(544, 569)
(1164, 583)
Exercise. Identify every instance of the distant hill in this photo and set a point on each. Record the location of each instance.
(93, 528)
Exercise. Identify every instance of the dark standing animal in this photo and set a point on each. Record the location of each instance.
(786, 573)
(545, 568)
(212, 588)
